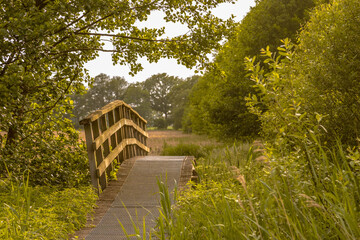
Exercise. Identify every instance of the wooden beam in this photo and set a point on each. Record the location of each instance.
(97, 114)
(110, 158)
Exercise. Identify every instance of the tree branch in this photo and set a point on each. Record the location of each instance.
(127, 37)
(99, 20)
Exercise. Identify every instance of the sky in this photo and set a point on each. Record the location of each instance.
(103, 63)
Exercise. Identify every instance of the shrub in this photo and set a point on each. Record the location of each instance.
(183, 149)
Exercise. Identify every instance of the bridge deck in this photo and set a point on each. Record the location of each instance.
(137, 190)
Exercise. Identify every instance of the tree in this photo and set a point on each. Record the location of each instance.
(312, 95)
(328, 66)
(104, 90)
(159, 87)
(179, 96)
(139, 99)
(44, 45)
(227, 84)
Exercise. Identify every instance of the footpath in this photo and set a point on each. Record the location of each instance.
(135, 195)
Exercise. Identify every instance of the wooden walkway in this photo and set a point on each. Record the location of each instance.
(135, 195)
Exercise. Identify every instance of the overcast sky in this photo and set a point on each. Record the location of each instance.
(103, 64)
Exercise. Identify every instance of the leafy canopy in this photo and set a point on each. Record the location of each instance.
(219, 97)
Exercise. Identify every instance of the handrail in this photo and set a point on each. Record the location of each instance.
(115, 132)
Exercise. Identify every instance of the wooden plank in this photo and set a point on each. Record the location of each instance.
(113, 140)
(107, 161)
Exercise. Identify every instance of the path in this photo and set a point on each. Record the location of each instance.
(137, 189)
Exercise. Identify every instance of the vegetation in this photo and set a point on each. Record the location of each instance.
(42, 212)
(103, 90)
(275, 199)
(169, 141)
(44, 45)
(160, 99)
(217, 102)
(304, 183)
(43, 48)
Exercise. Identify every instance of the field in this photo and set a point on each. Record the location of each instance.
(158, 138)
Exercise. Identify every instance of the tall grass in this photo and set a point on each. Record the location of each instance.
(284, 197)
(28, 212)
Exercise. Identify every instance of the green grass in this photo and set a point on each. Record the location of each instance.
(170, 138)
(28, 212)
(284, 197)
(277, 199)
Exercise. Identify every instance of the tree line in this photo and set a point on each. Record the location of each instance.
(160, 99)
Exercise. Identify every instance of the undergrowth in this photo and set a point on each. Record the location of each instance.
(273, 199)
(28, 212)
(183, 149)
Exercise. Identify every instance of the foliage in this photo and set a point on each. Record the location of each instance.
(220, 95)
(267, 200)
(139, 99)
(306, 184)
(51, 158)
(183, 149)
(179, 96)
(159, 87)
(328, 64)
(305, 93)
(160, 123)
(171, 138)
(103, 91)
(42, 212)
(196, 118)
(44, 45)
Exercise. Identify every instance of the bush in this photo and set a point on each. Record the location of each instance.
(160, 123)
(276, 199)
(50, 158)
(183, 149)
(307, 184)
(328, 65)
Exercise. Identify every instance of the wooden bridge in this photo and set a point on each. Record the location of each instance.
(116, 138)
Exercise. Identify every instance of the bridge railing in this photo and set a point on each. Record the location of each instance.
(115, 132)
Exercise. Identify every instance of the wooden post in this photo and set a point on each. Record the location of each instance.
(91, 155)
(106, 144)
(99, 153)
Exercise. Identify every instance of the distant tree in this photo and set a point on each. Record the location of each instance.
(195, 118)
(103, 91)
(139, 99)
(179, 96)
(159, 87)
